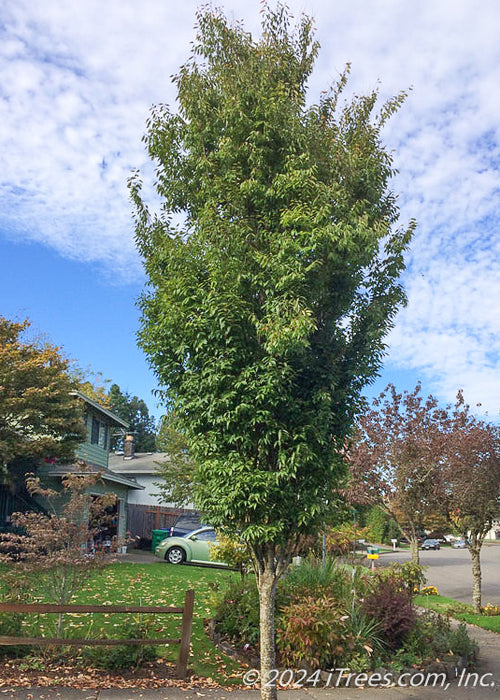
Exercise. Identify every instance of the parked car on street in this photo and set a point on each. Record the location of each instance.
(437, 535)
(193, 548)
(460, 544)
(431, 544)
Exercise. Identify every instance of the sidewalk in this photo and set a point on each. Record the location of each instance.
(489, 663)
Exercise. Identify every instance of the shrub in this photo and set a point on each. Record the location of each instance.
(314, 579)
(393, 607)
(367, 640)
(313, 631)
(233, 552)
(334, 579)
(460, 643)
(408, 575)
(433, 636)
(237, 612)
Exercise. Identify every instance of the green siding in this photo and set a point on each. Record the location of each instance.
(92, 454)
(96, 454)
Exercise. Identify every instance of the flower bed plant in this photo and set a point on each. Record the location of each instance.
(335, 614)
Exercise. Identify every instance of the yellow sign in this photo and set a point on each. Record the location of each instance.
(372, 556)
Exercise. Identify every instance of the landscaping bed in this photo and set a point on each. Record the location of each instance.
(341, 616)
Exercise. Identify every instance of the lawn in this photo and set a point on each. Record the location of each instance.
(151, 584)
(460, 611)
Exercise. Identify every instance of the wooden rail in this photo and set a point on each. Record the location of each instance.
(184, 640)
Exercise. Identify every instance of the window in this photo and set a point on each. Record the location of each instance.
(94, 435)
(103, 436)
(207, 536)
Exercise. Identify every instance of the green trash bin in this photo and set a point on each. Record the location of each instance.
(157, 536)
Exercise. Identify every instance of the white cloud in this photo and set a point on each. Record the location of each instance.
(78, 80)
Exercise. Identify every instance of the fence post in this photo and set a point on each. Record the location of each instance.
(187, 620)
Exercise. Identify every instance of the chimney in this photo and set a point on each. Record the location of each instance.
(128, 447)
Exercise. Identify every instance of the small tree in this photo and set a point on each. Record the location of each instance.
(473, 483)
(397, 456)
(49, 552)
(39, 415)
(267, 306)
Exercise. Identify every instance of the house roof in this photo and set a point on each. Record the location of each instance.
(142, 463)
(112, 416)
(105, 474)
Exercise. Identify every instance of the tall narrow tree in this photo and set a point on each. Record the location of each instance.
(273, 269)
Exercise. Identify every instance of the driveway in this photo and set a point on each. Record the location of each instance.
(450, 570)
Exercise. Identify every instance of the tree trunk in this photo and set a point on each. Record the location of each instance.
(415, 555)
(476, 577)
(266, 583)
(60, 623)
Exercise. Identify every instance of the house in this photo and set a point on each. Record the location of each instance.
(494, 533)
(94, 452)
(146, 509)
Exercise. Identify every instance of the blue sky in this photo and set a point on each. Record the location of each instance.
(78, 80)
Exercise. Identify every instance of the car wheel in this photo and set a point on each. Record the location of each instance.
(175, 555)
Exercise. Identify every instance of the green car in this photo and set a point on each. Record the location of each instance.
(193, 547)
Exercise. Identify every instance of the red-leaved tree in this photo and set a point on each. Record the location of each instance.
(472, 482)
(396, 459)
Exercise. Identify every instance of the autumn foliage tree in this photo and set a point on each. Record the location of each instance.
(39, 415)
(397, 457)
(47, 552)
(472, 483)
(273, 266)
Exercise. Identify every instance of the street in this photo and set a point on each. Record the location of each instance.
(450, 571)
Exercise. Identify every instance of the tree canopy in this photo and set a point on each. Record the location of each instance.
(397, 458)
(136, 412)
(472, 482)
(273, 268)
(268, 306)
(177, 473)
(39, 415)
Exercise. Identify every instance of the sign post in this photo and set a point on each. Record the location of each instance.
(373, 554)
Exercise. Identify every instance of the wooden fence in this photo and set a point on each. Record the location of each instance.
(184, 640)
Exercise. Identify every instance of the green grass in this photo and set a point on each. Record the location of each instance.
(150, 584)
(442, 604)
